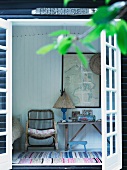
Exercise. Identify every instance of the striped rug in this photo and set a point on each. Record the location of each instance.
(63, 157)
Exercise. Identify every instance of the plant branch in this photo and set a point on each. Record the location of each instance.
(84, 34)
(122, 12)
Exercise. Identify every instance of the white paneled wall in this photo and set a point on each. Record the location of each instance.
(37, 79)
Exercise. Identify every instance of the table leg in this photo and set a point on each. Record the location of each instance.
(78, 132)
(97, 128)
(66, 137)
(99, 131)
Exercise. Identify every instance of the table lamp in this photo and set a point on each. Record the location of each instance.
(64, 102)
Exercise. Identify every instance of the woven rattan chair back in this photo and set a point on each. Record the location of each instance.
(40, 120)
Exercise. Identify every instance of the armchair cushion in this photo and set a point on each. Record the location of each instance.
(41, 133)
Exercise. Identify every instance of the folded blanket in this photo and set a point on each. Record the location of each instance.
(17, 129)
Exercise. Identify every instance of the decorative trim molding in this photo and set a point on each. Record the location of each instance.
(64, 11)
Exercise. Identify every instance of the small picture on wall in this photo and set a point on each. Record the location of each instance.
(87, 112)
(75, 113)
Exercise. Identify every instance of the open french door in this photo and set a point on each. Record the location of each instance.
(5, 95)
(111, 103)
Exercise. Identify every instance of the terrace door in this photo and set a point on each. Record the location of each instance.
(111, 104)
(5, 95)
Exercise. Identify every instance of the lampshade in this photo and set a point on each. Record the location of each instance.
(64, 101)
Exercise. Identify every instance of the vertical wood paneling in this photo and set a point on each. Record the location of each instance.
(36, 79)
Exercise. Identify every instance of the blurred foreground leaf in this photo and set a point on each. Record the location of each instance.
(65, 44)
(110, 29)
(66, 2)
(94, 34)
(90, 23)
(81, 57)
(107, 1)
(122, 36)
(105, 14)
(90, 47)
(59, 32)
(46, 49)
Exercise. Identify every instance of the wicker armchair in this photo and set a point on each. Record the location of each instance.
(41, 126)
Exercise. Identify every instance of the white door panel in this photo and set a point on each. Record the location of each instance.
(5, 95)
(111, 103)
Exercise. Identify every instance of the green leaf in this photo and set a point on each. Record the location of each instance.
(90, 23)
(59, 32)
(122, 36)
(94, 34)
(105, 14)
(65, 44)
(66, 2)
(81, 57)
(107, 1)
(46, 49)
(110, 29)
(90, 47)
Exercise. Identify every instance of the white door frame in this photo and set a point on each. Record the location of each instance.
(112, 161)
(6, 158)
(58, 22)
